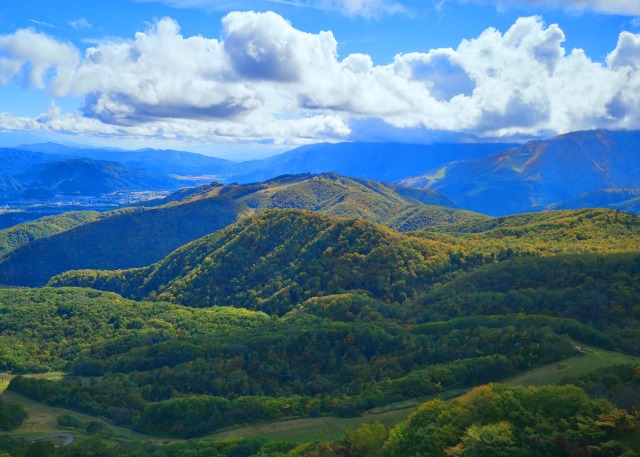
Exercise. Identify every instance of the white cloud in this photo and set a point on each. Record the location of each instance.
(36, 53)
(80, 24)
(266, 80)
(43, 24)
(264, 46)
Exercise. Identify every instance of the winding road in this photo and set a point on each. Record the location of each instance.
(67, 436)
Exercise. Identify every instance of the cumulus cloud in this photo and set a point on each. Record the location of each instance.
(266, 80)
(266, 46)
(35, 54)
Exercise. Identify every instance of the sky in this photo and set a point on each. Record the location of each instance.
(244, 78)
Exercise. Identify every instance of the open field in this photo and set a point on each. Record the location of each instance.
(311, 429)
(592, 360)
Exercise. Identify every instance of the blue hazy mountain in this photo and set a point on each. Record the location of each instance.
(91, 177)
(541, 174)
(389, 162)
(16, 161)
(165, 162)
(575, 170)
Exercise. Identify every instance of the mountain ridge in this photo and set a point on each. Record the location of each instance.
(140, 235)
(540, 174)
(275, 259)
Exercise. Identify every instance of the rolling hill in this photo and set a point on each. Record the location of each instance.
(359, 315)
(21, 234)
(142, 235)
(276, 259)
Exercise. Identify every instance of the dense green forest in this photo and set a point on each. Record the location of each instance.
(278, 258)
(22, 234)
(153, 365)
(498, 421)
(491, 420)
(278, 314)
(136, 237)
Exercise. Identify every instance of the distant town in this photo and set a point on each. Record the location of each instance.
(17, 211)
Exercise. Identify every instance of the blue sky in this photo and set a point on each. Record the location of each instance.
(238, 78)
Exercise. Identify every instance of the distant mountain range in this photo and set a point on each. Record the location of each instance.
(389, 162)
(163, 162)
(576, 170)
(40, 175)
(596, 168)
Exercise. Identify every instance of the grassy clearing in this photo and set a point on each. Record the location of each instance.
(329, 428)
(313, 429)
(41, 420)
(592, 360)
(5, 378)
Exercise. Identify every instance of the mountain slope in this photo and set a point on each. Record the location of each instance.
(539, 173)
(141, 236)
(378, 161)
(93, 177)
(601, 290)
(547, 233)
(338, 196)
(21, 234)
(605, 198)
(9, 186)
(120, 239)
(16, 161)
(276, 259)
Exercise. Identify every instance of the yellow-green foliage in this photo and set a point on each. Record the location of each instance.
(280, 258)
(552, 232)
(517, 421)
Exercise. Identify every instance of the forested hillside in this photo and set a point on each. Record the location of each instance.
(135, 237)
(168, 370)
(120, 239)
(279, 258)
(21, 234)
(498, 421)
